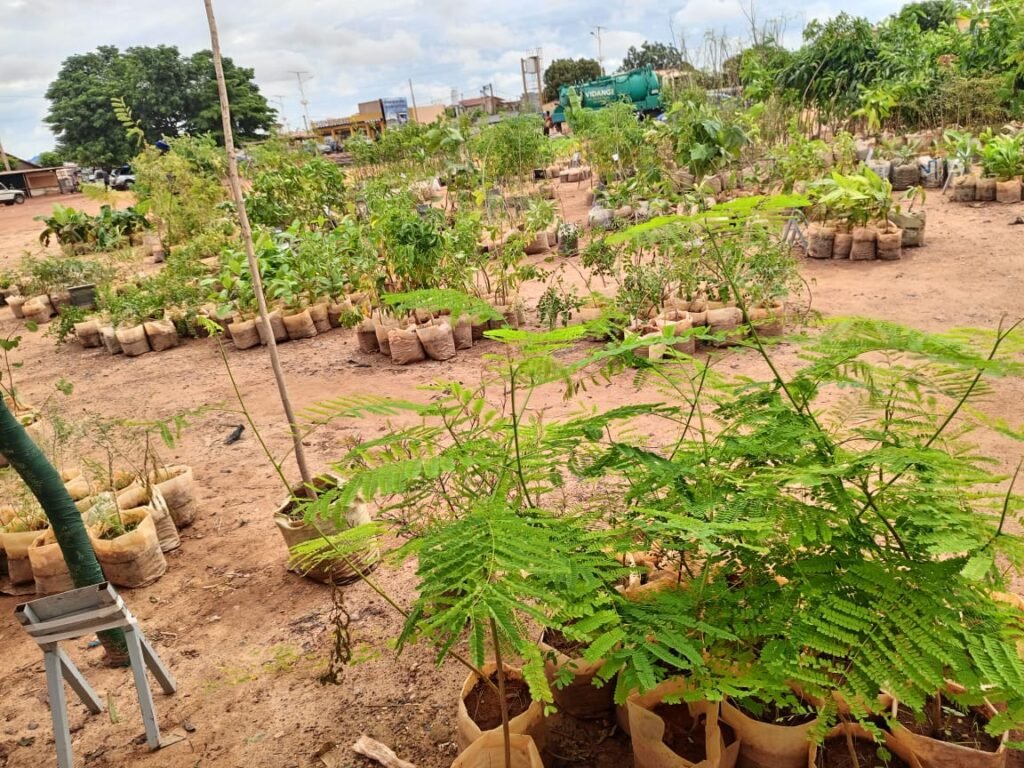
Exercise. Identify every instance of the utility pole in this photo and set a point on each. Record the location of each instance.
(3, 158)
(490, 102)
(302, 95)
(278, 98)
(600, 53)
(412, 95)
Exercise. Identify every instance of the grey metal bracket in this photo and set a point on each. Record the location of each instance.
(792, 232)
(74, 614)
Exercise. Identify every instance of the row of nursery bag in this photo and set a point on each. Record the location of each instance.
(130, 529)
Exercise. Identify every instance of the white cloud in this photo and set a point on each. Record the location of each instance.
(358, 50)
(479, 35)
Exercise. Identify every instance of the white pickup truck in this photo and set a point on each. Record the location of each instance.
(9, 196)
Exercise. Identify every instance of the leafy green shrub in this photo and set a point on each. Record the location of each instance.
(51, 274)
(78, 232)
(1003, 157)
(510, 149)
(799, 159)
(183, 189)
(311, 192)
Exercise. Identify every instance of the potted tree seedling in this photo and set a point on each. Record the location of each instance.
(568, 238)
(1003, 158)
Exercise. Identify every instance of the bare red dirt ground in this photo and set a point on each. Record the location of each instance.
(245, 639)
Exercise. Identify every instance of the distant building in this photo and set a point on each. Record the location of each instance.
(35, 180)
(428, 114)
(489, 104)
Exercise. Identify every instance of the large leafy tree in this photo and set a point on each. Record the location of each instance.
(656, 55)
(568, 72)
(929, 15)
(169, 94)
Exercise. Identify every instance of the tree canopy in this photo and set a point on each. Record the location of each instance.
(168, 93)
(567, 72)
(656, 55)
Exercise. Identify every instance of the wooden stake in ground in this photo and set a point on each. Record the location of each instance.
(250, 251)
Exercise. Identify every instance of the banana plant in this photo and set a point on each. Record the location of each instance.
(1003, 157)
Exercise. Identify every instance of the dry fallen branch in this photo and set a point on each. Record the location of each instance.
(374, 750)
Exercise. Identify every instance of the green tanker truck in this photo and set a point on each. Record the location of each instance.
(640, 87)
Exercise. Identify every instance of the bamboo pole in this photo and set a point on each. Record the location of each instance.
(250, 251)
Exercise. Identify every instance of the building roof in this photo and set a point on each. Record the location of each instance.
(480, 101)
(17, 164)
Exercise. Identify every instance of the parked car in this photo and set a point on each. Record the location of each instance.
(11, 196)
(122, 178)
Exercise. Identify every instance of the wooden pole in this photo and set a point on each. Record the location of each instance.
(250, 251)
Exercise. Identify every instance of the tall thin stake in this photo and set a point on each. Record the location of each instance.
(250, 251)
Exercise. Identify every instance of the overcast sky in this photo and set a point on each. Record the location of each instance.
(358, 50)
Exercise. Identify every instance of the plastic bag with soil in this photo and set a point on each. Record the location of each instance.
(175, 483)
(38, 309)
(985, 190)
(382, 327)
(161, 334)
(109, 338)
(865, 241)
(336, 310)
(905, 176)
(244, 334)
(17, 304)
(276, 328)
(514, 315)
(17, 545)
(841, 245)
(48, 566)
(405, 346)
(1008, 191)
(366, 337)
(88, 334)
(889, 246)
(912, 224)
(768, 321)
(489, 752)
(580, 698)
(78, 487)
(678, 324)
(479, 710)
(462, 332)
(882, 167)
(964, 189)
(727, 321)
(438, 341)
(138, 496)
(834, 751)
(679, 735)
(321, 319)
(133, 340)
(300, 325)
(295, 530)
(820, 242)
(969, 745)
(767, 745)
(133, 559)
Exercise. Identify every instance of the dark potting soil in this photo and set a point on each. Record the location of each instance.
(558, 641)
(966, 730)
(684, 735)
(482, 702)
(598, 743)
(835, 753)
(774, 714)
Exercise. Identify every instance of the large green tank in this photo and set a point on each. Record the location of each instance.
(639, 86)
